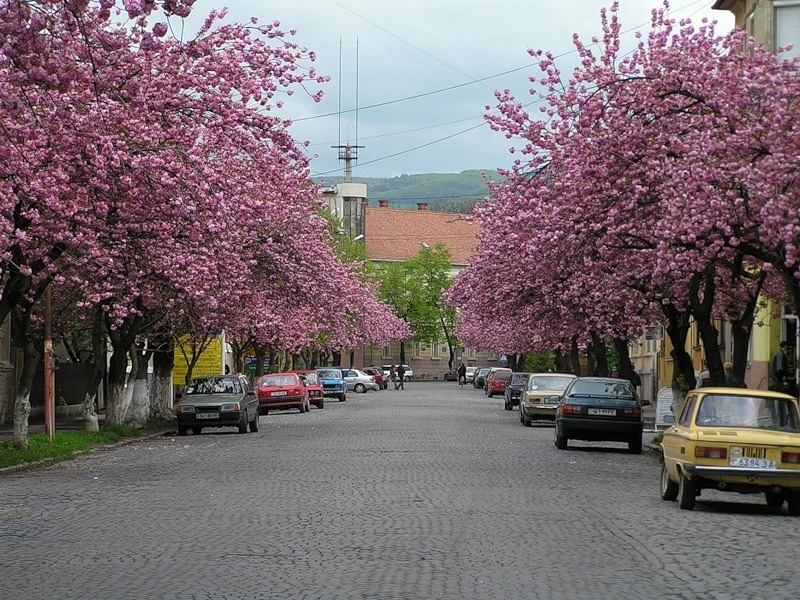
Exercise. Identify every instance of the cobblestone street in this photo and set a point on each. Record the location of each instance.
(435, 492)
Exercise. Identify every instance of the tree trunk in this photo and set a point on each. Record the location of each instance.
(600, 355)
(626, 369)
(574, 357)
(161, 390)
(261, 353)
(98, 372)
(560, 362)
(23, 337)
(683, 378)
(709, 335)
(337, 358)
(140, 400)
(402, 352)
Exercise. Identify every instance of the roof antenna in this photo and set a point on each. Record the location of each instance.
(347, 152)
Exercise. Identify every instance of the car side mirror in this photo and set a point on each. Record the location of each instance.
(669, 419)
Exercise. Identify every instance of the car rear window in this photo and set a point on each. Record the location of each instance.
(519, 378)
(277, 381)
(606, 389)
(719, 410)
(309, 378)
(213, 385)
(549, 383)
(330, 374)
(502, 375)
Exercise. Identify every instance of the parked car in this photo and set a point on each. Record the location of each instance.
(383, 382)
(451, 376)
(599, 409)
(514, 388)
(279, 391)
(496, 381)
(313, 385)
(358, 381)
(470, 375)
(407, 376)
(734, 440)
(541, 397)
(217, 401)
(480, 378)
(333, 383)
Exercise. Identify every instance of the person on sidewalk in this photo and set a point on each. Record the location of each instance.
(393, 376)
(401, 372)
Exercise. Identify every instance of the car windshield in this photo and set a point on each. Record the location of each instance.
(519, 378)
(277, 381)
(330, 374)
(554, 383)
(719, 410)
(213, 385)
(610, 388)
(309, 378)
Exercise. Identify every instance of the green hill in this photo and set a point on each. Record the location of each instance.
(456, 192)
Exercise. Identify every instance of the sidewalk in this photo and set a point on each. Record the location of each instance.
(36, 424)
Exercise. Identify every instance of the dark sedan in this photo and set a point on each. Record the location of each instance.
(480, 378)
(514, 389)
(599, 409)
(217, 401)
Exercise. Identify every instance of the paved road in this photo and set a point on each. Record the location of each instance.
(434, 492)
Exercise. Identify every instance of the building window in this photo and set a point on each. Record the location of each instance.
(471, 354)
(415, 349)
(787, 28)
(435, 349)
(353, 218)
(386, 352)
(492, 356)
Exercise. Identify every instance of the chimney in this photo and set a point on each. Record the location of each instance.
(383, 203)
(422, 206)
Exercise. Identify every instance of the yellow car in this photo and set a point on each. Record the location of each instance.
(540, 398)
(734, 440)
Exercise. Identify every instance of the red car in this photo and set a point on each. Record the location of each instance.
(377, 373)
(313, 386)
(496, 383)
(278, 391)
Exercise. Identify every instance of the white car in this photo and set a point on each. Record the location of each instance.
(358, 381)
(470, 375)
(409, 374)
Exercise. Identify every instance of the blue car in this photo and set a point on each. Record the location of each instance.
(333, 383)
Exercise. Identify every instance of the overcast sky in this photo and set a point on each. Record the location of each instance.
(406, 48)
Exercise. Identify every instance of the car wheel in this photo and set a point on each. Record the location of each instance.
(669, 489)
(559, 440)
(526, 420)
(793, 499)
(775, 499)
(521, 418)
(321, 404)
(343, 398)
(181, 429)
(302, 407)
(359, 388)
(687, 493)
(635, 445)
(197, 430)
(243, 423)
(254, 423)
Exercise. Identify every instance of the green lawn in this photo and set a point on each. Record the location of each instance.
(65, 445)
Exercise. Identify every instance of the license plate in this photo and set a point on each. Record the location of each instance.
(603, 412)
(207, 415)
(278, 393)
(551, 400)
(752, 463)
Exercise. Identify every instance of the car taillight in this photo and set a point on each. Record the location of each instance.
(790, 457)
(633, 412)
(710, 452)
(372, 380)
(568, 409)
(297, 391)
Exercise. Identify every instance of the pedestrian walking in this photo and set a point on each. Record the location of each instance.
(393, 376)
(777, 366)
(462, 374)
(401, 372)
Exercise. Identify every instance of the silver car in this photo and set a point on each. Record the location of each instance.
(217, 401)
(358, 381)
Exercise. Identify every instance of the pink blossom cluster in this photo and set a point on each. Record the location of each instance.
(147, 174)
(651, 181)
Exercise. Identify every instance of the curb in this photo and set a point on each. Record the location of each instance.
(48, 462)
